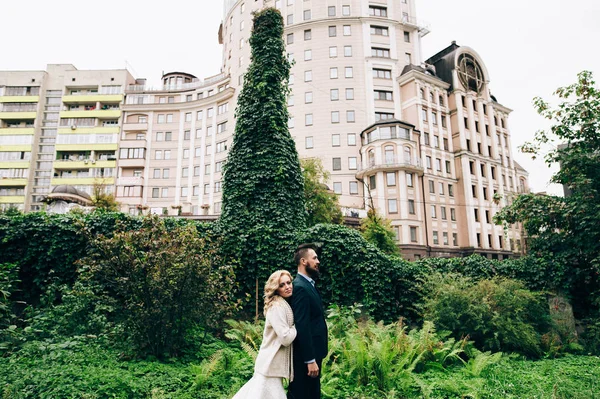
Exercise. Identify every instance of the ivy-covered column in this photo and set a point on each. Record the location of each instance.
(263, 202)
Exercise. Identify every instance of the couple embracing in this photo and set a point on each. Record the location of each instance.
(295, 336)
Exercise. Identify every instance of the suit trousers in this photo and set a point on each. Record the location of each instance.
(303, 386)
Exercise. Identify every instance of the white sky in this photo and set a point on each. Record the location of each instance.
(530, 47)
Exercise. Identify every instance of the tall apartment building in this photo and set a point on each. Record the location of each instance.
(421, 140)
(58, 127)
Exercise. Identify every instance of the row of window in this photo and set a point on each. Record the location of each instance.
(335, 140)
(438, 164)
(185, 172)
(163, 192)
(335, 117)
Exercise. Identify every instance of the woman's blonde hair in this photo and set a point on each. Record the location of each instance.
(271, 287)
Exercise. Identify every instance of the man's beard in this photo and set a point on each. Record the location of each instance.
(313, 273)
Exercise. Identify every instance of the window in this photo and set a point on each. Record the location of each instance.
(444, 123)
(307, 15)
(453, 214)
(186, 153)
(160, 118)
(353, 188)
(222, 108)
(433, 212)
(217, 187)
(332, 52)
(155, 192)
(392, 205)
(381, 116)
(335, 117)
(337, 187)
(372, 182)
(186, 135)
(377, 11)
(185, 172)
(380, 52)
(158, 154)
(413, 234)
(441, 188)
(199, 116)
(349, 72)
(308, 76)
(407, 37)
(474, 191)
(352, 163)
(411, 206)
(290, 19)
(307, 34)
(345, 11)
(350, 116)
(446, 144)
(347, 51)
(290, 38)
(207, 189)
(308, 142)
(383, 95)
(333, 73)
(424, 115)
(334, 94)
(436, 239)
(448, 168)
(168, 136)
(164, 192)
(431, 187)
(434, 118)
(308, 97)
(382, 73)
(169, 118)
(308, 120)
(408, 58)
(438, 164)
(487, 216)
(390, 179)
(335, 140)
(160, 136)
(221, 146)
(443, 212)
(428, 161)
(307, 55)
(331, 11)
(348, 31)
(379, 30)
(450, 190)
(476, 214)
(409, 180)
(290, 100)
(445, 238)
(351, 138)
(156, 174)
(197, 170)
(349, 94)
(210, 112)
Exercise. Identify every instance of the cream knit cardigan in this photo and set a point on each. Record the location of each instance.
(275, 355)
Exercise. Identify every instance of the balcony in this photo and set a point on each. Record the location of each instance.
(12, 199)
(81, 181)
(391, 164)
(135, 126)
(421, 26)
(92, 98)
(8, 115)
(89, 129)
(132, 162)
(19, 99)
(17, 131)
(130, 181)
(16, 147)
(83, 164)
(94, 113)
(133, 143)
(12, 181)
(16, 164)
(87, 147)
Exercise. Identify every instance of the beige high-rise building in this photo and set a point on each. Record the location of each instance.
(422, 140)
(58, 128)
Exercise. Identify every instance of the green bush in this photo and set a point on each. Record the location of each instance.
(497, 314)
(162, 282)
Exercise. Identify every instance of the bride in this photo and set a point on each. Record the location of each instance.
(274, 360)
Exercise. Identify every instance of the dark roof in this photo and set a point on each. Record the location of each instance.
(179, 73)
(411, 67)
(69, 194)
(443, 62)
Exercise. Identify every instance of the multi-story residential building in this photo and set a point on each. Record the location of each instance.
(58, 127)
(423, 141)
(173, 144)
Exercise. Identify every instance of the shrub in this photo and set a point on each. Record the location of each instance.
(162, 282)
(497, 314)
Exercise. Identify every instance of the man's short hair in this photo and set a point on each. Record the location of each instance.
(302, 250)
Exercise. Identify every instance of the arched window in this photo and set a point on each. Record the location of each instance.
(422, 93)
(389, 154)
(407, 155)
(371, 157)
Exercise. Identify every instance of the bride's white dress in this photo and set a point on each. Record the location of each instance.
(261, 387)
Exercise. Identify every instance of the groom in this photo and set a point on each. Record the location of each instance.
(310, 346)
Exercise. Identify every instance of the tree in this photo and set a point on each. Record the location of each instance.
(565, 230)
(103, 200)
(263, 205)
(321, 204)
(378, 231)
(164, 281)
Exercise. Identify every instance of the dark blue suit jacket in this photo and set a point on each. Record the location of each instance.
(309, 317)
